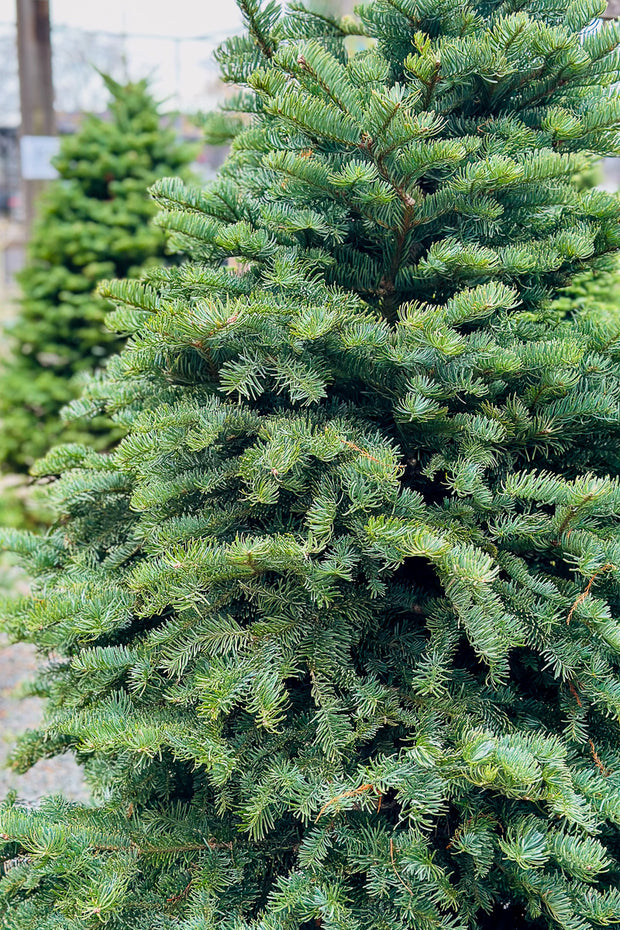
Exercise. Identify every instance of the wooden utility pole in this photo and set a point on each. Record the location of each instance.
(36, 92)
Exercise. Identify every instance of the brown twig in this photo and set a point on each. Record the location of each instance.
(575, 694)
(357, 449)
(182, 894)
(396, 872)
(346, 794)
(585, 593)
(605, 772)
(572, 513)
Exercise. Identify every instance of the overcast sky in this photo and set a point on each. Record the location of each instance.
(179, 69)
(165, 17)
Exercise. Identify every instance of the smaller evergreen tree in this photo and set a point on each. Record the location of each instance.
(93, 222)
(597, 295)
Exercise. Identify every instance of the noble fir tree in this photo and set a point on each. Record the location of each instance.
(333, 630)
(93, 223)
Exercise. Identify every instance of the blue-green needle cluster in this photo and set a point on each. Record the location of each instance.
(334, 629)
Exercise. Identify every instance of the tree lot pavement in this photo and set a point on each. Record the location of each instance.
(17, 666)
(18, 663)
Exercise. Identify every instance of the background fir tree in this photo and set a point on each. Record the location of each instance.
(593, 294)
(93, 222)
(334, 630)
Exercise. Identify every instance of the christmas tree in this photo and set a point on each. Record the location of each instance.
(93, 223)
(333, 630)
(596, 295)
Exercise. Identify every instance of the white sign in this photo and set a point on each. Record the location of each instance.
(36, 154)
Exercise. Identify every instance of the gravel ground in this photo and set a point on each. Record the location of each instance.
(50, 776)
(17, 665)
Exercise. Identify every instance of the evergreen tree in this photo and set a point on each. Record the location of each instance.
(597, 295)
(593, 293)
(334, 629)
(93, 223)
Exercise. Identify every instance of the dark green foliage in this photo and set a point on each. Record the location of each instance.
(93, 222)
(334, 630)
